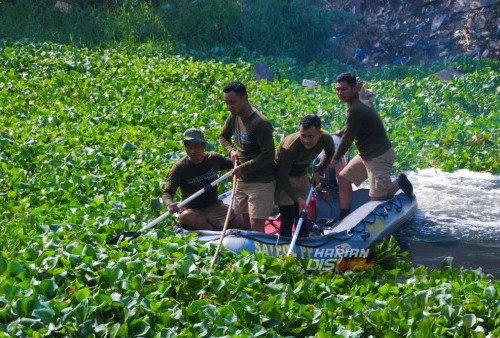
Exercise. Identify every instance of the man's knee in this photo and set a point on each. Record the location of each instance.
(344, 182)
(187, 215)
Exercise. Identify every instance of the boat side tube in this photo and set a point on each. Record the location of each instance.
(380, 219)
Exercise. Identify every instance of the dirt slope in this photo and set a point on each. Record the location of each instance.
(422, 31)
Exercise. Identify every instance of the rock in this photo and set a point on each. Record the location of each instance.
(262, 72)
(485, 54)
(437, 22)
(309, 83)
(494, 44)
(478, 4)
(447, 73)
(366, 96)
(63, 6)
(460, 6)
(473, 52)
(479, 22)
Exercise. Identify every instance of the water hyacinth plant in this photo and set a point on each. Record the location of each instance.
(86, 140)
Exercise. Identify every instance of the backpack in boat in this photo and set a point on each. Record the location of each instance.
(324, 206)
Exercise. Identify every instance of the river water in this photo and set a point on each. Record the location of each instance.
(459, 216)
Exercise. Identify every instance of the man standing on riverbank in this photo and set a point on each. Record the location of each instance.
(375, 155)
(254, 154)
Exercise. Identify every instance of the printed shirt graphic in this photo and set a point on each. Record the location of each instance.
(190, 178)
(254, 144)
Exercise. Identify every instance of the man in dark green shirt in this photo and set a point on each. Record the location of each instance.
(254, 154)
(192, 173)
(293, 157)
(375, 156)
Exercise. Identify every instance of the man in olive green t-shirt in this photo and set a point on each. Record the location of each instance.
(293, 157)
(191, 174)
(254, 155)
(375, 156)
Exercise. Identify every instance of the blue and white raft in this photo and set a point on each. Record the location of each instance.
(354, 236)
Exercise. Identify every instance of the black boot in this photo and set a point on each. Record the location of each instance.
(344, 213)
(287, 217)
(405, 185)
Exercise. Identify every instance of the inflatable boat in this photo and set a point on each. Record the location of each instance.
(353, 237)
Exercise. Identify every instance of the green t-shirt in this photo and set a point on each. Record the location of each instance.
(191, 177)
(254, 141)
(293, 159)
(363, 126)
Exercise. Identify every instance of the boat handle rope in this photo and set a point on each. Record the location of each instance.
(384, 209)
(349, 235)
(396, 203)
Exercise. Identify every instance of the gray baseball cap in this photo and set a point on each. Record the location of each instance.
(194, 135)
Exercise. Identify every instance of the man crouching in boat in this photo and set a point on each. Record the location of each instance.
(193, 172)
(375, 157)
(293, 157)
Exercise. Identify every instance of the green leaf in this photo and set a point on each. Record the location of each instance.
(490, 292)
(82, 294)
(139, 327)
(47, 315)
(216, 283)
(48, 288)
(156, 203)
(423, 298)
(127, 146)
(81, 311)
(469, 320)
(446, 264)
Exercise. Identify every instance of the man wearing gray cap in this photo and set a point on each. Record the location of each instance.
(193, 172)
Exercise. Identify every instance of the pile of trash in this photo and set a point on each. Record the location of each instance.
(422, 31)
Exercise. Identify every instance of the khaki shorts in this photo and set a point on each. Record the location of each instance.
(215, 214)
(377, 170)
(300, 184)
(255, 199)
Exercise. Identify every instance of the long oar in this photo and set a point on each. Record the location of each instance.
(135, 234)
(235, 182)
(303, 214)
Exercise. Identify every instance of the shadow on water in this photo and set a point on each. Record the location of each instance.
(458, 216)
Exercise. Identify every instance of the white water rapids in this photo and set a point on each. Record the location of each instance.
(458, 215)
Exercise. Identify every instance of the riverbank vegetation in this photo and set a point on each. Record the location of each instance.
(87, 134)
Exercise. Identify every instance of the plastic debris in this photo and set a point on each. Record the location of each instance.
(360, 53)
(309, 83)
(423, 44)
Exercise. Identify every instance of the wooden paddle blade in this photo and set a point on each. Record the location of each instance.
(131, 234)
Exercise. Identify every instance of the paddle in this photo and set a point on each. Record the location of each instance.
(235, 182)
(135, 234)
(303, 215)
